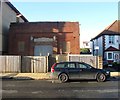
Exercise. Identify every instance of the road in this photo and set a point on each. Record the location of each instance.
(47, 89)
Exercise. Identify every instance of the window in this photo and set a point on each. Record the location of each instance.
(87, 44)
(66, 47)
(21, 46)
(82, 66)
(110, 56)
(70, 65)
(61, 65)
(111, 39)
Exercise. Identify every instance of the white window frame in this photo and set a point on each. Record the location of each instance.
(111, 39)
(117, 58)
(112, 56)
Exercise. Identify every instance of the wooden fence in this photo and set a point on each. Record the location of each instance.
(95, 61)
(10, 64)
(42, 64)
(34, 64)
(24, 64)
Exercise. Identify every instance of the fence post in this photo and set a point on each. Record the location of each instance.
(46, 64)
(100, 62)
(57, 58)
(68, 57)
(96, 61)
(21, 61)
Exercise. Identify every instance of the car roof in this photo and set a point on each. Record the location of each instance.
(70, 62)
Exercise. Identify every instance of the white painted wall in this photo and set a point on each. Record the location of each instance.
(115, 45)
(119, 39)
(99, 43)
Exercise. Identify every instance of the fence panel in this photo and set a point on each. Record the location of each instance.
(42, 64)
(34, 64)
(39, 64)
(94, 61)
(26, 64)
(87, 59)
(2, 63)
(10, 64)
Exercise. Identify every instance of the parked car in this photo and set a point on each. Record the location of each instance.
(77, 70)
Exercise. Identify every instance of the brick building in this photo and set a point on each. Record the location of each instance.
(43, 38)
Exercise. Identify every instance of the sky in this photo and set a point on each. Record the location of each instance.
(93, 17)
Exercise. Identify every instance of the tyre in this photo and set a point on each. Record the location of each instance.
(63, 77)
(101, 77)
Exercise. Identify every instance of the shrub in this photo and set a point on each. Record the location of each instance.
(116, 66)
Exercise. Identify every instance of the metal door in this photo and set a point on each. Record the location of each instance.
(43, 50)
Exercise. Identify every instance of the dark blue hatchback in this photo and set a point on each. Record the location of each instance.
(77, 70)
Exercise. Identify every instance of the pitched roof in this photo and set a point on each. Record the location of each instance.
(113, 29)
(13, 8)
(112, 49)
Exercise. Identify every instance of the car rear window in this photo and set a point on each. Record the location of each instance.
(60, 65)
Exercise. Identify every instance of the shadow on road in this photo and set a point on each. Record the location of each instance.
(17, 78)
(109, 79)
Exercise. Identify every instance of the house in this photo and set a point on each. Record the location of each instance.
(8, 14)
(44, 38)
(107, 44)
(86, 47)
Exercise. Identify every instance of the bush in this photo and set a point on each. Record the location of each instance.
(116, 66)
(84, 51)
(105, 66)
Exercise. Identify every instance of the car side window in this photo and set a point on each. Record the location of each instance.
(70, 65)
(61, 65)
(80, 65)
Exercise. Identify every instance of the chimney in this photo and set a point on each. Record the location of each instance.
(18, 17)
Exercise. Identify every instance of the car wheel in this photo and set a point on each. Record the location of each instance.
(63, 77)
(101, 77)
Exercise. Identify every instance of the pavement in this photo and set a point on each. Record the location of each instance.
(37, 76)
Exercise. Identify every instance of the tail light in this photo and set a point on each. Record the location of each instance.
(52, 68)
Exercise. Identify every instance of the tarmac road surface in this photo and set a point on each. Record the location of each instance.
(21, 89)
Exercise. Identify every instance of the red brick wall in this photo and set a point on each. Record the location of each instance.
(64, 31)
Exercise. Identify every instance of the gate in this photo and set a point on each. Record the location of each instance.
(34, 64)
